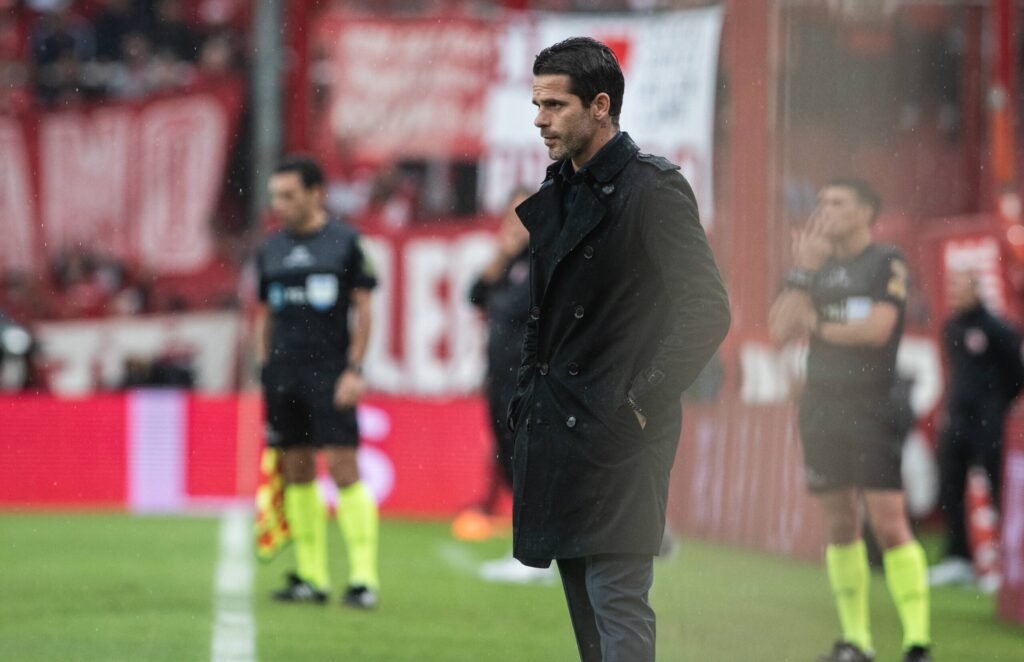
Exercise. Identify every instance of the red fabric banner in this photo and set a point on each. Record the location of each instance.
(420, 457)
(135, 180)
(413, 87)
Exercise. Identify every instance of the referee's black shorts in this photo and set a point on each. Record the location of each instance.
(300, 409)
(851, 438)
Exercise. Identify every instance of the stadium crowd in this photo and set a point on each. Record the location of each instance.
(58, 53)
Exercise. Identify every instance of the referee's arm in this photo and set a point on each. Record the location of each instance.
(261, 333)
(362, 319)
(875, 330)
(350, 385)
(791, 317)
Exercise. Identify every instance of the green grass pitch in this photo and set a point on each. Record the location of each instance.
(116, 587)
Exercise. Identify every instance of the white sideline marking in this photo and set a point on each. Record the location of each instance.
(234, 630)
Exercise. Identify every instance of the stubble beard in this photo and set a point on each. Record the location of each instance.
(570, 145)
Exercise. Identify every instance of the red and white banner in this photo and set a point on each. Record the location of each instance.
(138, 181)
(404, 88)
(459, 89)
(427, 339)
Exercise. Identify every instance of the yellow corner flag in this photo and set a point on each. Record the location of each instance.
(272, 534)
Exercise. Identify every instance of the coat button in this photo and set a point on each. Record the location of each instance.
(588, 252)
(574, 369)
(570, 422)
(543, 368)
(535, 313)
(578, 312)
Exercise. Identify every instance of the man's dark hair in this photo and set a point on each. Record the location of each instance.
(865, 193)
(591, 66)
(305, 167)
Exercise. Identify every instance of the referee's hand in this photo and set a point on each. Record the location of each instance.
(348, 389)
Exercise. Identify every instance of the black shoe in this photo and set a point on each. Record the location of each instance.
(299, 590)
(844, 651)
(917, 654)
(360, 597)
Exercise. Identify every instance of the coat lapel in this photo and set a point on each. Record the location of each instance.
(586, 213)
(540, 214)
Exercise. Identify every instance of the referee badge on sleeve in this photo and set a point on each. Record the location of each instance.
(322, 290)
(897, 286)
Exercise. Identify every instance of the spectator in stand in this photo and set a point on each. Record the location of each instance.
(393, 198)
(983, 354)
(20, 368)
(15, 96)
(91, 285)
(172, 369)
(22, 298)
(131, 79)
(61, 41)
(217, 57)
(170, 31)
(115, 20)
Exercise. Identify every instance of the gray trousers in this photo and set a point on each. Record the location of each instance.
(607, 598)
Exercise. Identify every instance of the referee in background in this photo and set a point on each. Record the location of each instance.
(847, 293)
(313, 327)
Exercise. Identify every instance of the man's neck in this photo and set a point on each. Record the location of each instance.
(312, 223)
(853, 245)
(600, 139)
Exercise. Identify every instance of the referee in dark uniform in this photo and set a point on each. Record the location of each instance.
(847, 294)
(313, 327)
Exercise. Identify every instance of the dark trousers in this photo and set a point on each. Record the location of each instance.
(607, 598)
(973, 437)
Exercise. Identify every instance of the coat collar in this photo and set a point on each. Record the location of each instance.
(608, 161)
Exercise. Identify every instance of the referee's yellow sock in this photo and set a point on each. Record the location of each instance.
(906, 573)
(357, 515)
(307, 521)
(850, 578)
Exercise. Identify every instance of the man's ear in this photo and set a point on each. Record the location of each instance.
(601, 106)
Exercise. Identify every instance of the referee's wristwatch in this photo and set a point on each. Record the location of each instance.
(799, 279)
(355, 367)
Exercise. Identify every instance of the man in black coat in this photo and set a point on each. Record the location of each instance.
(627, 306)
(986, 373)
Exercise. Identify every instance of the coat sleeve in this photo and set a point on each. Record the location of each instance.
(1007, 345)
(478, 293)
(699, 317)
(529, 359)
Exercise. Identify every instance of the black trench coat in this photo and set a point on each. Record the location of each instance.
(626, 303)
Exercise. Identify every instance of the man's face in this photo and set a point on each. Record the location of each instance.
(961, 290)
(292, 202)
(565, 125)
(841, 212)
